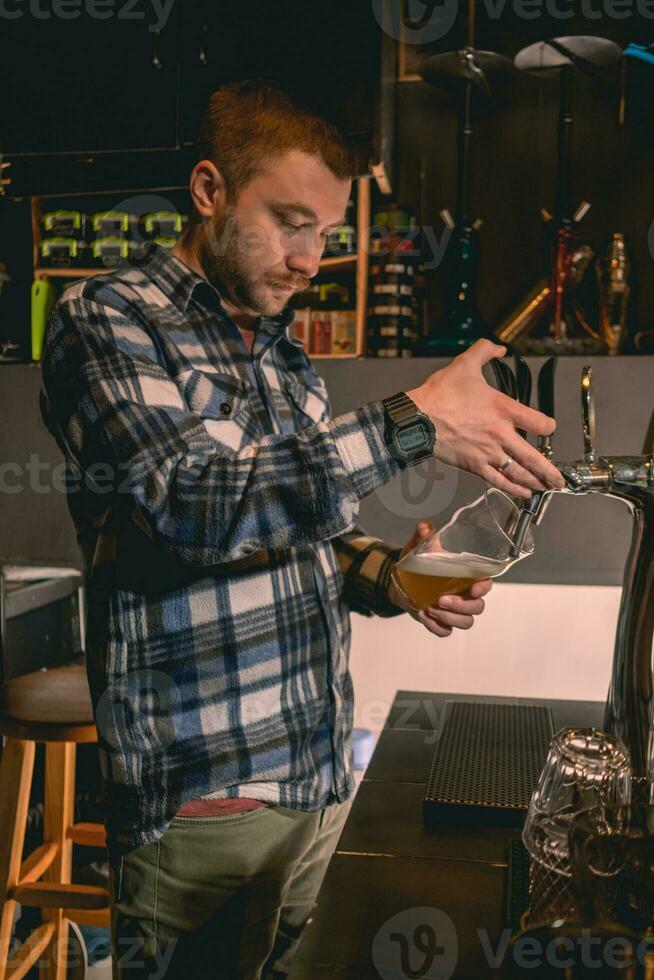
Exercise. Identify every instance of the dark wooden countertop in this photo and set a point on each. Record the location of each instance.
(388, 863)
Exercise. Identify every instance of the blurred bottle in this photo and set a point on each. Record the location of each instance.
(613, 273)
(44, 294)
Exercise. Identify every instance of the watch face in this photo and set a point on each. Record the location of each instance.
(413, 437)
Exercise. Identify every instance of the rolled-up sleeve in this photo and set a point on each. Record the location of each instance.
(366, 563)
(109, 401)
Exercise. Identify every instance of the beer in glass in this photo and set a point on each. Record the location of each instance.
(425, 578)
(476, 543)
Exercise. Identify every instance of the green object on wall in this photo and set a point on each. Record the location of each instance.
(43, 298)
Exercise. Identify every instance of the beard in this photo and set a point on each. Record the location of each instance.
(227, 268)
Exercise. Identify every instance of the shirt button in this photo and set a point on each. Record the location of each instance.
(225, 408)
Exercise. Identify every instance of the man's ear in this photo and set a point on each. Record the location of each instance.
(208, 189)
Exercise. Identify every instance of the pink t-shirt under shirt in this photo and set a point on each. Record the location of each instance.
(217, 808)
(248, 337)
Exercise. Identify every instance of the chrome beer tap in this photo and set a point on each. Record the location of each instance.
(630, 703)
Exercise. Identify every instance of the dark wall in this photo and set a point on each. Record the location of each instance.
(513, 163)
(16, 253)
(34, 519)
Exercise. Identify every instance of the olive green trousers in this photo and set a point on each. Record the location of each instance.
(221, 898)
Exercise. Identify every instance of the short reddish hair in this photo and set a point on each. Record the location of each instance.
(251, 120)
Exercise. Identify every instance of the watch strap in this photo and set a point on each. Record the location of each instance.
(400, 407)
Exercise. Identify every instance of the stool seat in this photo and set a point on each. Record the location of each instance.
(51, 705)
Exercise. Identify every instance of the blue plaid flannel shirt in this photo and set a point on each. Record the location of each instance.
(215, 502)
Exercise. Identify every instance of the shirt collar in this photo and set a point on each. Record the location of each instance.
(179, 282)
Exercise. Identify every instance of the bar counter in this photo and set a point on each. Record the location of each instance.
(387, 863)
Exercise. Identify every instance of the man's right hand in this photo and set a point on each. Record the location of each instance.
(476, 425)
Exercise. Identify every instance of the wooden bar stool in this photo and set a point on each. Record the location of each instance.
(52, 706)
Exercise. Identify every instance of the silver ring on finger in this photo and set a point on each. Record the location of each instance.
(505, 465)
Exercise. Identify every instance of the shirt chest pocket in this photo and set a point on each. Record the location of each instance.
(309, 402)
(222, 402)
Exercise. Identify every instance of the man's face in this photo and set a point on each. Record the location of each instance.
(267, 245)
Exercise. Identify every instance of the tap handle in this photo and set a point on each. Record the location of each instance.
(515, 385)
(523, 380)
(523, 385)
(504, 378)
(588, 415)
(546, 377)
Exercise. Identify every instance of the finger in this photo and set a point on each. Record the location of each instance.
(454, 620)
(530, 459)
(459, 604)
(523, 417)
(484, 351)
(514, 471)
(496, 479)
(434, 627)
(479, 589)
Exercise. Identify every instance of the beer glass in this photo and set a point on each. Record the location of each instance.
(475, 544)
(584, 768)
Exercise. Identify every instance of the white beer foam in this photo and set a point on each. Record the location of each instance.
(446, 565)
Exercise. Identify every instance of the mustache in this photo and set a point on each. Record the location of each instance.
(295, 282)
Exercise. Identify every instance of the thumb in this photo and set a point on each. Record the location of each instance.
(423, 529)
(484, 351)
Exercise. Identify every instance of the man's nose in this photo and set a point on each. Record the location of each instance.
(305, 261)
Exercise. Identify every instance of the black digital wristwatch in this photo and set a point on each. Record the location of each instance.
(410, 434)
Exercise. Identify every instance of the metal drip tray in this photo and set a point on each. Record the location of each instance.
(487, 762)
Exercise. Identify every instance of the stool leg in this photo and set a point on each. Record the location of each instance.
(57, 819)
(16, 769)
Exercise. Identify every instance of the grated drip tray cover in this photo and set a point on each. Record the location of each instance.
(487, 762)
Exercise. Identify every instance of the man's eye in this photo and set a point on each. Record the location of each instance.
(290, 226)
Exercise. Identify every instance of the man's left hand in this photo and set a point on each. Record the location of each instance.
(453, 611)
